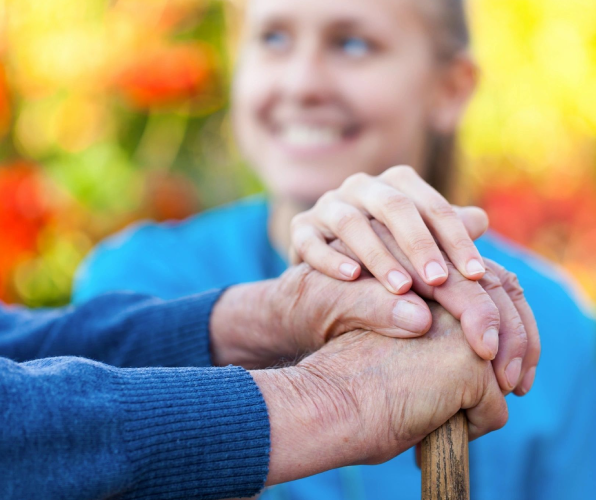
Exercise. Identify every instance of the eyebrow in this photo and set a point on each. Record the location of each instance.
(277, 20)
(346, 23)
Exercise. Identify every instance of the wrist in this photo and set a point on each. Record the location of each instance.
(312, 423)
(245, 326)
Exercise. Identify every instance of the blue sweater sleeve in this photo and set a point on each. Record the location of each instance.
(120, 329)
(75, 428)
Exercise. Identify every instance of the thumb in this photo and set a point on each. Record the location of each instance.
(374, 308)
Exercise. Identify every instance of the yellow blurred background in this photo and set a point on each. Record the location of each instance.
(111, 111)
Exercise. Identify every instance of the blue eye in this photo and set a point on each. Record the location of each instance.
(276, 40)
(355, 46)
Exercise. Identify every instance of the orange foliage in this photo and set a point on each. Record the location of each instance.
(522, 213)
(24, 212)
(560, 227)
(165, 76)
(4, 102)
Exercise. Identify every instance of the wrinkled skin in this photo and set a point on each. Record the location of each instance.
(258, 325)
(364, 398)
(401, 390)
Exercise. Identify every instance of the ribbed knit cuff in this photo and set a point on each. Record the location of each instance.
(178, 332)
(194, 433)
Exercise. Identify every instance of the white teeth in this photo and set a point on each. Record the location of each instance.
(310, 136)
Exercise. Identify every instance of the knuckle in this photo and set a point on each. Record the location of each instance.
(521, 338)
(440, 209)
(373, 259)
(462, 244)
(492, 318)
(512, 286)
(490, 281)
(396, 202)
(326, 199)
(421, 244)
(347, 221)
(304, 246)
(496, 267)
(399, 172)
(482, 306)
(355, 181)
(501, 416)
(299, 220)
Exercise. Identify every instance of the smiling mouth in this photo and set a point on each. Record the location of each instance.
(302, 136)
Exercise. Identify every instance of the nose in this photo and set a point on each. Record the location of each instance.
(306, 79)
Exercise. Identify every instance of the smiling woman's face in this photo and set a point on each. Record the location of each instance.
(328, 88)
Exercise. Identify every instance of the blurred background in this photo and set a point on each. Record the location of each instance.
(116, 110)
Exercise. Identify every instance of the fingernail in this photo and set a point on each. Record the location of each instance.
(410, 317)
(348, 270)
(491, 341)
(397, 280)
(434, 271)
(513, 371)
(475, 267)
(528, 380)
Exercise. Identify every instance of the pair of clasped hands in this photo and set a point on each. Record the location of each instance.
(401, 320)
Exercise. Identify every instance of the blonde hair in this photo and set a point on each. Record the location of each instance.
(449, 26)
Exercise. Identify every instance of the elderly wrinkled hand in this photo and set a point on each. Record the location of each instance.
(364, 398)
(262, 324)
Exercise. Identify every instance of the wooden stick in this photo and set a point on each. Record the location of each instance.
(444, 461)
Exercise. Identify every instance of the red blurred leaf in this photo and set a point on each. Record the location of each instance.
(165, 76)
(24, 211)
(4, 102)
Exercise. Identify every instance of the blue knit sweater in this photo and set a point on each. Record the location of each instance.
(76, 428)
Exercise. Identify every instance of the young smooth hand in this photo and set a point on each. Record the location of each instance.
(415, 214)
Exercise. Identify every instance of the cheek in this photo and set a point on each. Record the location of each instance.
(254, 90)
(250, 93)
(394, 107)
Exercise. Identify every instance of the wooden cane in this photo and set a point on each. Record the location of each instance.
(444, 461)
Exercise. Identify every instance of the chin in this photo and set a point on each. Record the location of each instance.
(303, 189)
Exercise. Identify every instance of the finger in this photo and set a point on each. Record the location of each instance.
(512, 334)
(311, 247)
(374, 308)
(474, 219)
(490, 414)
(354, 229)
(480, 317)
(399, 214)
(465, 300)
(442, 219)
(515, 292)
